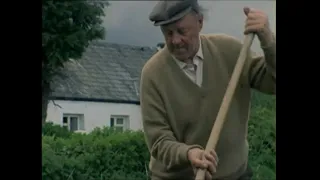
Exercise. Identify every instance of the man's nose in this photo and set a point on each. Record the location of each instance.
(176, 39)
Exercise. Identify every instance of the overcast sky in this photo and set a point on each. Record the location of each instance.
(127, 22)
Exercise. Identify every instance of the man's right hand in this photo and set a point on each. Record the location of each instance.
(209, 163)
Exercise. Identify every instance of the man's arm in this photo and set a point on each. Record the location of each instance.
(261, 70)
(160, 140)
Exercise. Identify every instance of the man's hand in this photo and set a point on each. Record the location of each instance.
(257, 22)
(209, 163)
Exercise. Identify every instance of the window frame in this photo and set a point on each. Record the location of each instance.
(79, 118)
(114, 124)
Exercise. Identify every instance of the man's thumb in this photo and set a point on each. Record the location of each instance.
(200, 164)
(246, 10)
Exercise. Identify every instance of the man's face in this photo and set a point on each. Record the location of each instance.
(182, 37)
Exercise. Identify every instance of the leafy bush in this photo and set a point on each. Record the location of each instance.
(107, 154)
(50, 129)
(102, 154)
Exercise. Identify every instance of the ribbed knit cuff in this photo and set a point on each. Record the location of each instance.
(270, 44)
(184, 152)
(270, 54)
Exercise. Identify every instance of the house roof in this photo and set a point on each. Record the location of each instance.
(106, 72)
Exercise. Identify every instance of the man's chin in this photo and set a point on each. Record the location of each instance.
(181, 57)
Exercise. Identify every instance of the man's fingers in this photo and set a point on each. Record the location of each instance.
(211, 167)
(253, 29)
(211, 159)
(198, 163)
(208, 176)
(208, 162)
(252, 22)
(214, 154)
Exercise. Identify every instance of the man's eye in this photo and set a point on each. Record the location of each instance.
(182, 31)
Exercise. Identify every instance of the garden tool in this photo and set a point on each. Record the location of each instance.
(220, 119)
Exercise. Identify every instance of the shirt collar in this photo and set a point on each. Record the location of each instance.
(199, 54)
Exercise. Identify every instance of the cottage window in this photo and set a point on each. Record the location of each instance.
(73, 122)
(120, 123)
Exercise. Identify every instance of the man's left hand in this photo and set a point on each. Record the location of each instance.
(257, 22)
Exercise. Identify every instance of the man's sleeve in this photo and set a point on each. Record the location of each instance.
(261, 70)
(160, 140)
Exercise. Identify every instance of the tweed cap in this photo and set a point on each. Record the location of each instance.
(166, 11)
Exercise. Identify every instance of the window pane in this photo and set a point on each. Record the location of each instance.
(73, 123)
(111, 122)
(65, 120)
(119, 120)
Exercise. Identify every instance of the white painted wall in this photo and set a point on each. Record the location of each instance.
(96, 114)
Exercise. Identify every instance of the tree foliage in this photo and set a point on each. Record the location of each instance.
(67, 29)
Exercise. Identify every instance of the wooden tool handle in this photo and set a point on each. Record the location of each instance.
(220, 119)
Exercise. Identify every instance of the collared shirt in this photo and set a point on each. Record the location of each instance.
(193, 71)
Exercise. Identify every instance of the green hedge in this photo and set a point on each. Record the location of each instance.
(54, 130)
(106, 154)
(102, 154)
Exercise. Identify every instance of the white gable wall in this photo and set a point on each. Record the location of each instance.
(96, 114)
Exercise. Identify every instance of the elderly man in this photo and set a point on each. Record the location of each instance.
(182, 87)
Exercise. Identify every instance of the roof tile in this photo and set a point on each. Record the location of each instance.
(105, 71)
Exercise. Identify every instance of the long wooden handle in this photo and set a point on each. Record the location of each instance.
(220, 119)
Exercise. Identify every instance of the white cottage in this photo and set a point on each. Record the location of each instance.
(101, 89)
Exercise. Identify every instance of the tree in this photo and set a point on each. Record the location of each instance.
(67, 29)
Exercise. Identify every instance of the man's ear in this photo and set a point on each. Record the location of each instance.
(200, 19)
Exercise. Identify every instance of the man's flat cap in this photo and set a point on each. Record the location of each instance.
(166, 11)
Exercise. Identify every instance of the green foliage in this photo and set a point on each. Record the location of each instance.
(54, 130)
(67, 29)
(262, 136)
(102, 154)
(109, 154)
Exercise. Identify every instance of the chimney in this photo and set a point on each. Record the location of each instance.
(160, 45)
